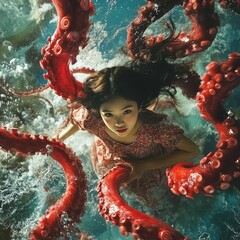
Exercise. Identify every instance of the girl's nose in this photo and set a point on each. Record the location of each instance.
(119, 123)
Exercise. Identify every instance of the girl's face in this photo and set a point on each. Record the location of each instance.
(120, 116)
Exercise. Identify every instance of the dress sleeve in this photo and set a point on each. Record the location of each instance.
(168, 134)
(83, 118)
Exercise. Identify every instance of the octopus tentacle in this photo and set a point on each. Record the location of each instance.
(204, 28)
(22, 93)
(146, 16)
(13, 92)
(114, 209)
(71, 33)
(74, 198)
(84, 70)
(232, 4)
(218, 168)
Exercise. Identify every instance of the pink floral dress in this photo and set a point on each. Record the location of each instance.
(156, 136)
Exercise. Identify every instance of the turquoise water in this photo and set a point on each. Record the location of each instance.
(29, 186)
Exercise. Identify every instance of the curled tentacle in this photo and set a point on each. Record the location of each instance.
(13, 92)
(232, 4)
(63, 47)
(204, 28)
(84, 70)
(22, 93)
(114, 209)
(217, 169)
(189, 83)
(73, 200)
(147, 15)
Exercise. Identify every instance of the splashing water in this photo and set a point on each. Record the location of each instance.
(28, 186)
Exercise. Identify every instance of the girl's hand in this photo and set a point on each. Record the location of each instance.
(137, 171)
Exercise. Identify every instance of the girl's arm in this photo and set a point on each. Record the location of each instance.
(67, 132)
(185, 150)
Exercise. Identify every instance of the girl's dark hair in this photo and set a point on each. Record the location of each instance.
(143, 79)
(142, 85)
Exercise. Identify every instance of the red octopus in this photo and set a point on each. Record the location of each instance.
(214, 171)
(73, 200)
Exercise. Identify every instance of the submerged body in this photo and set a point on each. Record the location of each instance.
(155, 136)
(125, 133)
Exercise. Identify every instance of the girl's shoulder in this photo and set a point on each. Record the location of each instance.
(158, 123)
(150, 117)
(84, 118)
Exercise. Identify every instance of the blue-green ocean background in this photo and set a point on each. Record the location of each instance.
(28, 186)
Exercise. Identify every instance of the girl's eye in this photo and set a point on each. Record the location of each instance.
(128, 111)
(108, 115)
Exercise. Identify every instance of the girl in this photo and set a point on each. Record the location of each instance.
(115, 112)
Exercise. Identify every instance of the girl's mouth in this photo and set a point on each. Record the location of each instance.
(121, 130)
